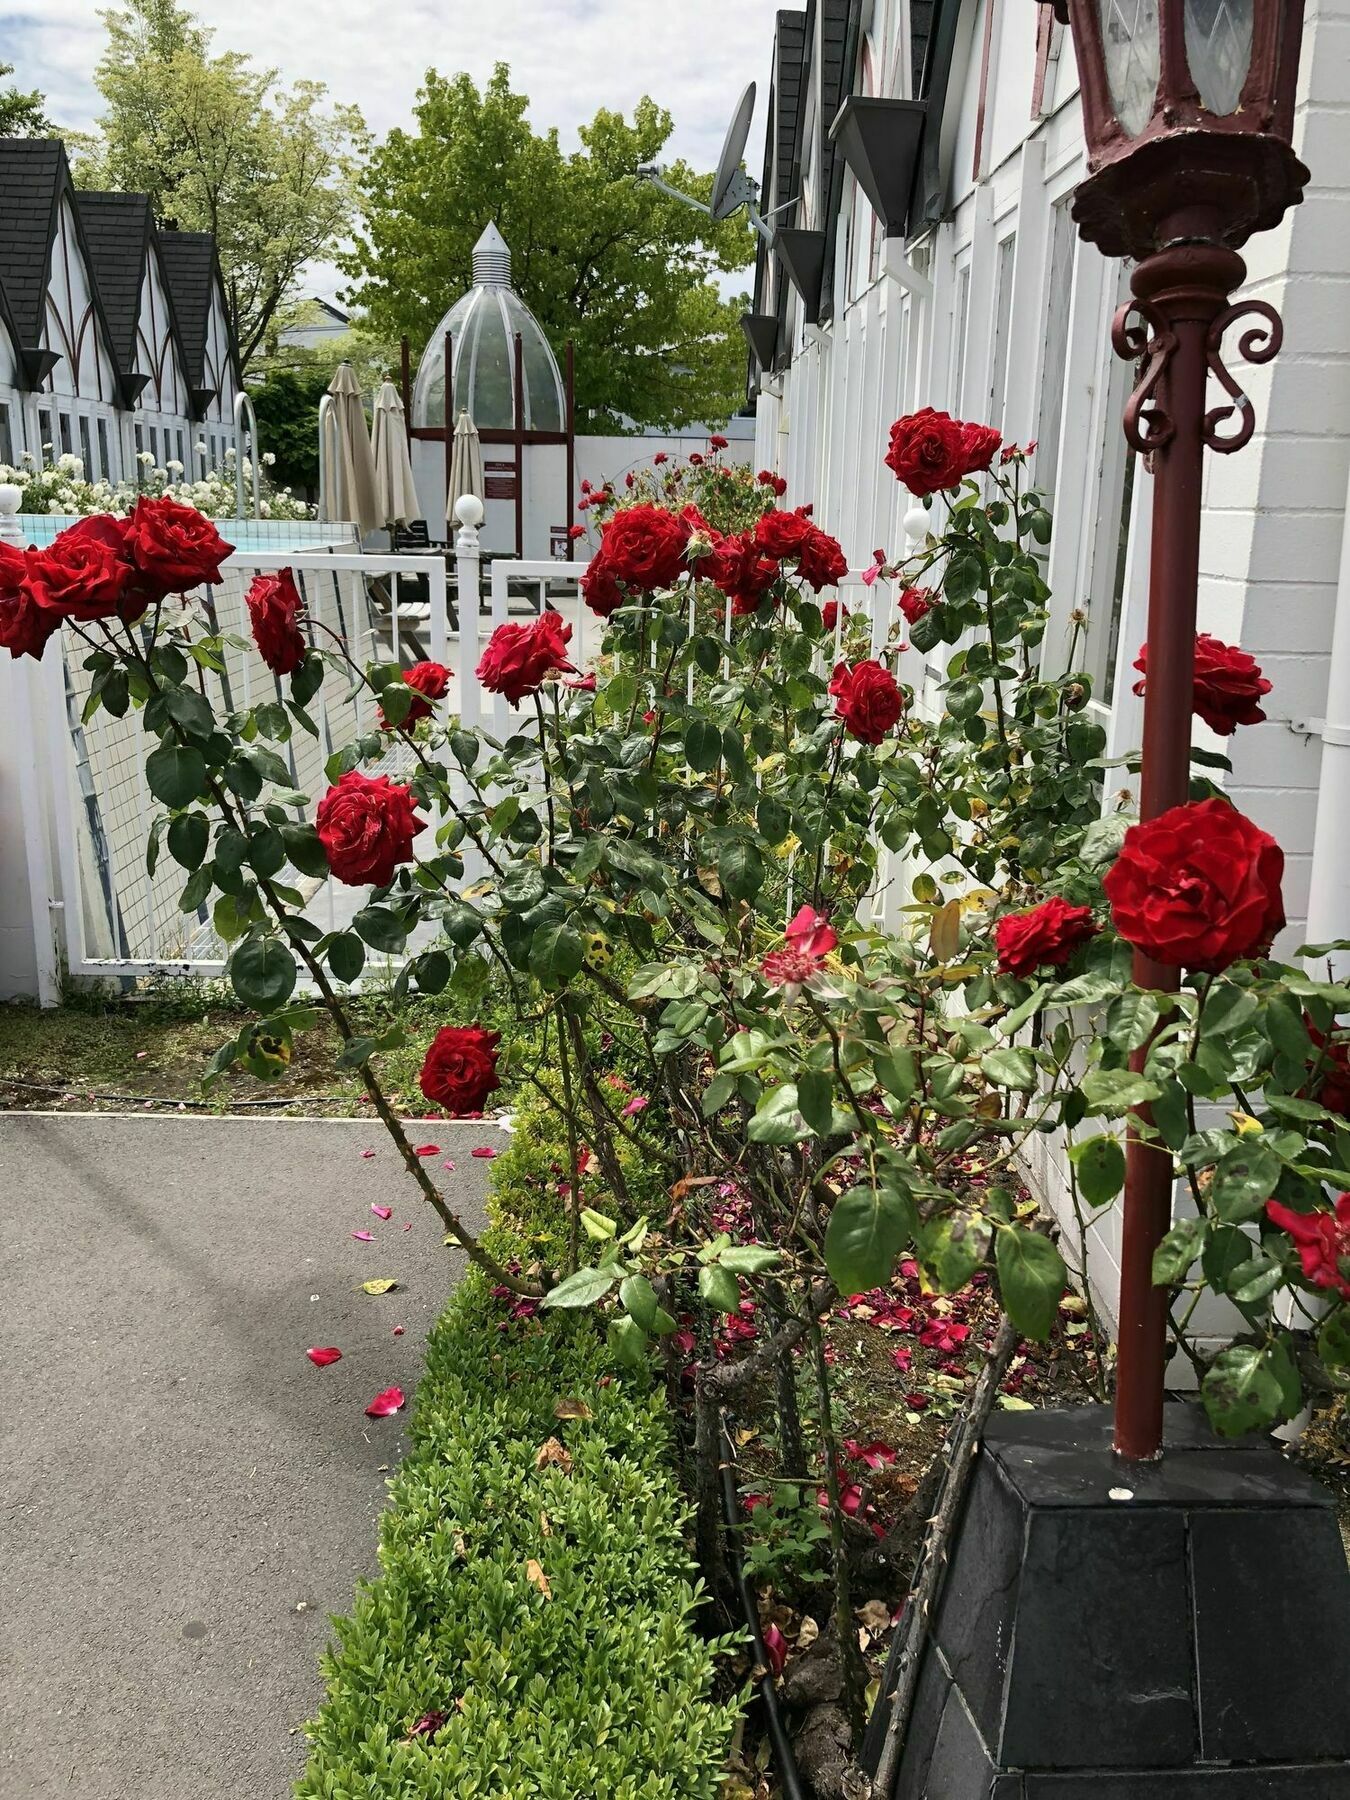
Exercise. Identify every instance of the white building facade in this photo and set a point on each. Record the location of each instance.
(975, 296)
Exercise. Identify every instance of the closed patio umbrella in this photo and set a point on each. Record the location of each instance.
(394, 489)
(350, 488)
(466, 464)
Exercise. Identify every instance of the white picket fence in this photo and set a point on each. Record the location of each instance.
(117, 919)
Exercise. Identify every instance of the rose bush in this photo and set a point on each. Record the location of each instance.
(620, 865)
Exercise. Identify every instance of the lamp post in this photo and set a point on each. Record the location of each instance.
(1188, 114)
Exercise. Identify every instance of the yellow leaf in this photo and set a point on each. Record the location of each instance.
(944, 934)
(1244, 1124)
(535, 1574)
(572, 1409)
(378, 1287)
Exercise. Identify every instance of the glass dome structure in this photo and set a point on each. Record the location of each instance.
(482, 328)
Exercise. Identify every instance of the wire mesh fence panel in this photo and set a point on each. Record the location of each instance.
(125, 917)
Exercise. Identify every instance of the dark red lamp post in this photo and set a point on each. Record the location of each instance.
(1188, 113)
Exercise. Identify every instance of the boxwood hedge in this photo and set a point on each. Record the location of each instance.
(545, 1606)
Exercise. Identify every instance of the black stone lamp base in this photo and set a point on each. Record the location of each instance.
(1112, 1631)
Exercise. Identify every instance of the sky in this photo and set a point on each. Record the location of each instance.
(570, 56)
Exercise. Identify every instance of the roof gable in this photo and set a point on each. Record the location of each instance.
(33, 176)
(190, 270)
(117, 229)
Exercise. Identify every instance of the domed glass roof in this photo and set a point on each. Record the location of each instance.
(482, 328)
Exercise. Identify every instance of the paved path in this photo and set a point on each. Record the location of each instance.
(184, 1498)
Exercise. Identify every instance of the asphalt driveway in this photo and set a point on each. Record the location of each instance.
(184, 1497)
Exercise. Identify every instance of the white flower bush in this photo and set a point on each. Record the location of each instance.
(61, 487)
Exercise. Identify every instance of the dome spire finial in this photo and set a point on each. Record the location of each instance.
(491, 259)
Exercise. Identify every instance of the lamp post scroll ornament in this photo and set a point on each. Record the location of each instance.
(1188, 115)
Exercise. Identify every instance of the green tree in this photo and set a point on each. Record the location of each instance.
(287, 404)
(599, 256)
(219, 145)
(22, 115)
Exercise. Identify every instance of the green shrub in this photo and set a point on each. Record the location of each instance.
(603, 1685)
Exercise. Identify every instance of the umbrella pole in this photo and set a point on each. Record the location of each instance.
(449, 422)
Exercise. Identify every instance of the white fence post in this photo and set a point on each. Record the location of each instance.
(11, 498)
(468, 603)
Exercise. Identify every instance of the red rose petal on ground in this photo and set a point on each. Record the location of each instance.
(427, 1150)
(428, 1725)
(322, 1357)
(916, 1402)
(484, 1153)
(408, 1225)
(382, 1212)
(385, 1403)
(366, 1155)
(364, 1237)
(398, 1331)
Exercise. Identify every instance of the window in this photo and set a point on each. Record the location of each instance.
(154, 444)
(87, 449)
(67, 435)
(1003, 297)
(104, 460)
(44, 432)
(1118, 568)
(960, 319)
(182, 459)
(1062, 244)
(6, 437)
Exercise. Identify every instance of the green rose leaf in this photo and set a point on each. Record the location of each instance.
(304, 850)
(748, 1259)
(740, 869)
(262, 973)
(954, 1247)
(1243, 1181)
(815, 1099)
(719, 1288)
(868, 1229)
(187, 839)
(583, 1288)
(1099, 1163)
(557, 954)
(346, 956)
(627, 1342)
(778, 1118)
(382, 928)
(1115, 1091)
(638, 1298)
(1242, 1390)
(702, 745)
(1031, 1278)
(175, 775)
(1174, 1256)
(1010, 1069)
(1333, 1340)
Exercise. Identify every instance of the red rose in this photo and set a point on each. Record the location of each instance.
(931, 450)
(979, 443)
(718, 442)
(1048, 933)
(742, 572)
(599, 589)
(867, 699)
(518, 657)
(820, 561)
(460, 1070)
(274, 604)
(660, 458)
(832, 612)
(1228, 684)
(644, 547)
(915, 603)
(1323, 1241)
(576, 531)
(174, 547)
(927, 451)
(84, 573)
(367, 826)
(429, 681)
(782, 534)
(767, 478)
(24, 625)
(1198, 887)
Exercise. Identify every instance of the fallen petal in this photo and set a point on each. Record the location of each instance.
(382, 1212)
(447, 1164)
(484, 1152)
(322, 1358)
(364, 1237)
(366, 1155)
(407, 1224)
(427, 1150)
(428, 1725)
(398, 1331)
(390, 1401)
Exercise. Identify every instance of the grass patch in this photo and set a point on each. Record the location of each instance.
(536, 1588)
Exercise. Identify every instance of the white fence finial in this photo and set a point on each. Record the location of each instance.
(11, 498)
(469, 512)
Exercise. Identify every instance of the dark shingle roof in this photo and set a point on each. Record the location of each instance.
(920, 30)
(118, 230)
(33, 176)
(190, 270)
(789, 69)
(835, 82)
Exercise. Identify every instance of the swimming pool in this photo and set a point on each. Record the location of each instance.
(245, 534)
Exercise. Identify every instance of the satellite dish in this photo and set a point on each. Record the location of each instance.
(732, 188)
(730, 183)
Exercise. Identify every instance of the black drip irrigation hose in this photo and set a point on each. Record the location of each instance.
(778, 1737)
